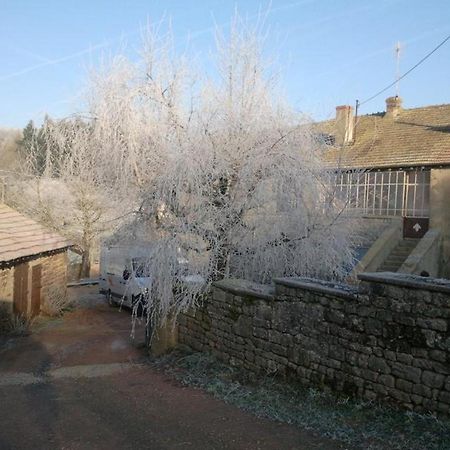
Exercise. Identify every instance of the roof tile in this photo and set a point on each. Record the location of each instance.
(417, 137)
(21, 236)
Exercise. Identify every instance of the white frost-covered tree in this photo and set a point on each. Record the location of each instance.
(222, 177)
(66, 192)
(241, 189)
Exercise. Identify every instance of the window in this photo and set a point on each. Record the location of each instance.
(140, 267)
(387, 193)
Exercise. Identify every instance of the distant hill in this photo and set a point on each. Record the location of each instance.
(9, 158)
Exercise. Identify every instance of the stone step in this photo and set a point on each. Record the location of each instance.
(388, 268)
(395, 260)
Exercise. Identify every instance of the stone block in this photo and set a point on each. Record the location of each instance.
(405, 386)
(384, 315)
(337, 352)
(400, 306)
(243, 327)
(380, 390)
(370, 375)
(438, 355)
(423, 391)
(416, 399)
(264, 311)
(366, 311)
(433, 324)
(334, 316)
(400, 396)
(432, 380)
(404, 320)
(380, 302)
(444, 397)
(378, 365)
(275, 336)
(387, 380)
(395, 292)
(374, 327)
(370, 395)
(390, 355)
(423, 363)
(408, 373)
(443, 408)
(405, 358)
(430, 405)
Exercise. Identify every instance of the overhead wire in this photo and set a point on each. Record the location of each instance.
(406, 73)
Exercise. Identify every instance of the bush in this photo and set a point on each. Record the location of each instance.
(57, 302)
(19, 324)
(13, 324)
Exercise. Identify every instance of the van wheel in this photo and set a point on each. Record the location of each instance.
(109, 297)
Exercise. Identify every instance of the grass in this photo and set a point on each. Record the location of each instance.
(364, 425)
(15, 325)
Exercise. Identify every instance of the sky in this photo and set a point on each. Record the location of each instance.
(327, 52)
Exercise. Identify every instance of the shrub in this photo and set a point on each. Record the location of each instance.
(57, 302)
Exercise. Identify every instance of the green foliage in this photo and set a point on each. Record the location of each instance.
(32, 147)
(363, 425)
(47, 148)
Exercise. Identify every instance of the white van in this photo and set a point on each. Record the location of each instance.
(124, 275)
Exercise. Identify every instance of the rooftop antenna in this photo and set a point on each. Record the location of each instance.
(397, 69)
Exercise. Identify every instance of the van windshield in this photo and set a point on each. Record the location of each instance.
(140, 268)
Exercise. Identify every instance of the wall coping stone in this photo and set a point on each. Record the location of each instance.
(408, 281)
(244, 288)
(322, 287)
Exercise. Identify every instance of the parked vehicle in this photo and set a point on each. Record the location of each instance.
(124, 275)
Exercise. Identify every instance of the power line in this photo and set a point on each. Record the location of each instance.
(406, 73)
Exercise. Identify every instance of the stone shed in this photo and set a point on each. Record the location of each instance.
(33, 264)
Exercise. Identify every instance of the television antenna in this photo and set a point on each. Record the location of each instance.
(397, 68)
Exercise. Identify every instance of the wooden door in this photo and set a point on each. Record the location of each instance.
(36, 273)
(415, 227)
(20, 294)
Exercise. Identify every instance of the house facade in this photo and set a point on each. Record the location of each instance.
(33, 264)
(396, 164)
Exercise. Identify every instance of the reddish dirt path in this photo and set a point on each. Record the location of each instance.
(82, 383)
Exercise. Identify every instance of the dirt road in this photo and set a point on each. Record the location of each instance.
(81, 382)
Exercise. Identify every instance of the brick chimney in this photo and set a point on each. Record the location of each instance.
(393, 106)
(345, 124)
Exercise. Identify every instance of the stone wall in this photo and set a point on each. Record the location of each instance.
(386, 340)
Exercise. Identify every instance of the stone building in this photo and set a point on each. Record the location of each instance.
(33, 264)
(395, 166)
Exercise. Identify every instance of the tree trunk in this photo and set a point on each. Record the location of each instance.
(85, 270)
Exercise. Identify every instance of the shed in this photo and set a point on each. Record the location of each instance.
(33, 264)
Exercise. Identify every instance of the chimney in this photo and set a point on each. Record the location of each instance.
(393, 106)
(344, 124)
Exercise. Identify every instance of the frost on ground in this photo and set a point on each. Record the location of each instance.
(72, 372)
(363, 425)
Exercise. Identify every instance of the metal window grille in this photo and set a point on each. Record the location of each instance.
(387, 193)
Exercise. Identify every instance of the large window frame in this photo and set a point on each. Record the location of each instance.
(403, 193)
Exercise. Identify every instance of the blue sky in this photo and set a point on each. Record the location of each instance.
(329, 52)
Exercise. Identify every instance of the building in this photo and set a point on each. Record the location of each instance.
(33, 264)
(396, 164)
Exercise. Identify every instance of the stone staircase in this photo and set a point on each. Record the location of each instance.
(398, 255)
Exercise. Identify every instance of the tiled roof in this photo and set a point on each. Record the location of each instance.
(21, 237)
(416, 137)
